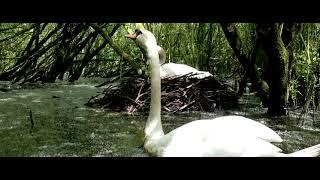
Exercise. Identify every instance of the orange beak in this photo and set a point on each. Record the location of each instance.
(131, 36)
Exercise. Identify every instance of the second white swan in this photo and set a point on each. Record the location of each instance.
(176, 69)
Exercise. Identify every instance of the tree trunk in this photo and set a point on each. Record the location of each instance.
(275, 56)
(278, 67)
(317, 88)
(247, 61)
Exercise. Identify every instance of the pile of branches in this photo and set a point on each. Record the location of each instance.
(182, 93)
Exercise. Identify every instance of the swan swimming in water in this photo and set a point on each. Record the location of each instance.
(224, 136)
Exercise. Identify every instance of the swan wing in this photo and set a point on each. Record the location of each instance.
(173, 69)
(246, 126)
(237, 146)
(225, 136)
(202, 74)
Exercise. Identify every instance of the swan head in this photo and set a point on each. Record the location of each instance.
(144, 39)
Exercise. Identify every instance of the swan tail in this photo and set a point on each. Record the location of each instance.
(312, 151)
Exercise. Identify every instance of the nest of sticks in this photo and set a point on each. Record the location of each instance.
(182, 93)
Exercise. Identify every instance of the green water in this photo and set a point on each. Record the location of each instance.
(64, 126)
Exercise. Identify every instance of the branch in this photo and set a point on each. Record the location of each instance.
(18, 33)
(124, 55)
(235, 42)
(289, 32)
(9, 28)
(247, 61)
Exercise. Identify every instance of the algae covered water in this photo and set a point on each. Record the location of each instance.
(62, 125)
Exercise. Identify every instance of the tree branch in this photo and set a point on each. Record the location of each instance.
(124, 55)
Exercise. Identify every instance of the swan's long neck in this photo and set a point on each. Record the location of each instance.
(153, 129)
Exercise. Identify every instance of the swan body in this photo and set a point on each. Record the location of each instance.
(224, 136)
(174, 69)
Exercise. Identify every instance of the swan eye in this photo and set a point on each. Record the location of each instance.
(138, 32)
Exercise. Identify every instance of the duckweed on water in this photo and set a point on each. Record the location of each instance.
(64, 126)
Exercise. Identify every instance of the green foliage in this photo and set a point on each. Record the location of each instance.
(108, 61)
(11, 45)
(306, 56)
(247, 33)
(201, 45)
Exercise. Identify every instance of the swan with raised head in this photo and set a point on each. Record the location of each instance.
(224, 136)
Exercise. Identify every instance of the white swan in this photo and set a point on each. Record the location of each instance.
(223, 136)
(175, 69)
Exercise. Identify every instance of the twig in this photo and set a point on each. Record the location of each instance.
(31, 120)
(187, 105)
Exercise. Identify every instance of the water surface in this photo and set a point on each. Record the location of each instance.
(64, 126)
